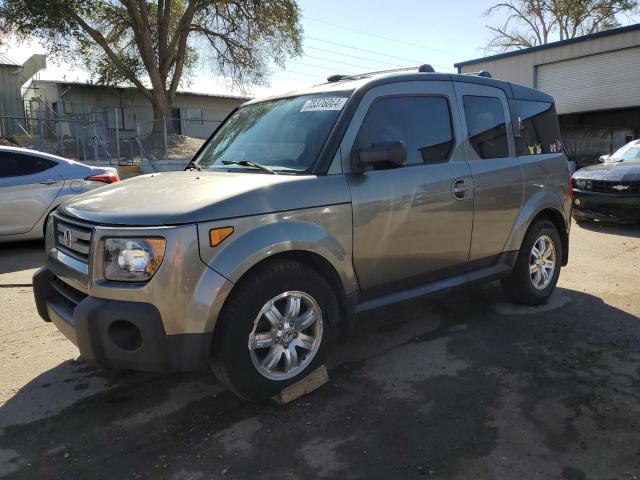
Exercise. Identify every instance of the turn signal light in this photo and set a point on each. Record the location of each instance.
(218, 235)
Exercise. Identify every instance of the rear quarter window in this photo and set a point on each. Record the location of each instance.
(18, 165)
(536, 128)
(486, 125)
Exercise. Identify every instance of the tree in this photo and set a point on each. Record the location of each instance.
(155, 44)
(537, 22)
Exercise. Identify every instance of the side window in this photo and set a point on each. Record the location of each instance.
(486, 125)
(537, 130)
(195, 117)
(422, 123)
(17, 165)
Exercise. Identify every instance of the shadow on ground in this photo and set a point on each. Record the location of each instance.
(451, 387)
(18, 256)
(623, 230)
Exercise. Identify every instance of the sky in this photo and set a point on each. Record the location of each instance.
(351, 36)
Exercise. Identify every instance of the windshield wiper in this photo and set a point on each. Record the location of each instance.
(249, 163)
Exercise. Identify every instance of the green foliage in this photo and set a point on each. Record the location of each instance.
(153, 45)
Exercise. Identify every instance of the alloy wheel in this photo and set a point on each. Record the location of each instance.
(286, 335)
(542, 262)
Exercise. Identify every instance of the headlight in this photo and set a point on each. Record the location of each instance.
(132, 259)
(581, 183)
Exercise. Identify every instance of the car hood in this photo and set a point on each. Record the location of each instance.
(619, 171)
(174, 198)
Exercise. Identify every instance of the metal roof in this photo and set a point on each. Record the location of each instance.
(179, 92)
(6, 61)
(591, 36)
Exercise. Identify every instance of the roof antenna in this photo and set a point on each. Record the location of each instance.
(426, 68)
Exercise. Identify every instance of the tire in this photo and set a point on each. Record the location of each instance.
(248, 315)
(520, 286)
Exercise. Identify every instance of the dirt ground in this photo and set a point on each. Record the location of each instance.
(462, 386)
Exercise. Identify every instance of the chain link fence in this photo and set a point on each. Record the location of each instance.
(111, 136)
(172, 142)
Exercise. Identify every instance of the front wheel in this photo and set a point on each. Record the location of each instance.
(275, 328)
(537, 268)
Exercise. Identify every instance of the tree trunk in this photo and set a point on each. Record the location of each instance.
(161, 113)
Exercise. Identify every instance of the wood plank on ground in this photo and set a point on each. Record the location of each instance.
(306, 385)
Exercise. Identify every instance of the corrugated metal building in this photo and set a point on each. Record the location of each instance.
(12, 78)
(595, 80)
(193, 114)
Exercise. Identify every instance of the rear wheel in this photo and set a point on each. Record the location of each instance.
(537, 268)
(275, 328)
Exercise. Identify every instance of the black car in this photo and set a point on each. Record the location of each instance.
(610, 191)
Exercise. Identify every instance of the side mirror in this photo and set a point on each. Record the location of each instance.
(603, 158)
(380, 155)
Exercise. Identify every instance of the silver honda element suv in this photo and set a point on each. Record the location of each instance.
(304, 209)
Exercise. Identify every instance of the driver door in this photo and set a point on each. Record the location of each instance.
(411, 224)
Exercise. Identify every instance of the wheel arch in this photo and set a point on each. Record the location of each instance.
(305, 242)
(545, 205)
(555, 217)
(315, 261)
(312, 260)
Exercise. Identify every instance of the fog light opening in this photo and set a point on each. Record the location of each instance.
(125, 335)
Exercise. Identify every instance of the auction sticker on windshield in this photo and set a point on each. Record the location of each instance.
(324, 103)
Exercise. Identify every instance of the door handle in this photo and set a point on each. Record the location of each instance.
(49, 182)
(461, 190)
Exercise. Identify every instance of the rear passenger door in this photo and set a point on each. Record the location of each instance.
(411, 224)
(28, 186)
(496, 171)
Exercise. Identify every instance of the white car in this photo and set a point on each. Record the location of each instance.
(33, 184)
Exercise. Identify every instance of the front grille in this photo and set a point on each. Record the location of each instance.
(67, 295)
(607, 186)
(72, 238)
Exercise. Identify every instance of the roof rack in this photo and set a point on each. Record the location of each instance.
(337, 78)
(481, 73)
(426, 68)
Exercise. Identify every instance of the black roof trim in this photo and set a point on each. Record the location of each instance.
(521, 92)
(510, 89)
(605, 33)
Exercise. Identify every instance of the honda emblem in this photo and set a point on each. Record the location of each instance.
(66, 237)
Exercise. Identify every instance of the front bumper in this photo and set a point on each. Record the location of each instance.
(606, 206)
(165, 324)
(115, 333)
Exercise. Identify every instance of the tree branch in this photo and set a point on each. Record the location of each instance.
(100, 40)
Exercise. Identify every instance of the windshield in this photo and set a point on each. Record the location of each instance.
(284, 135)
(628, 153)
